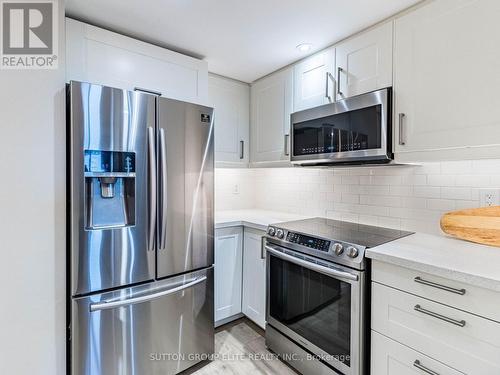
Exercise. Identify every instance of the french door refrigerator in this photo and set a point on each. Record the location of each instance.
(140, 223)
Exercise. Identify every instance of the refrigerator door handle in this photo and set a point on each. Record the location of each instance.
(106, 305)
(164, 211)
(152, 188)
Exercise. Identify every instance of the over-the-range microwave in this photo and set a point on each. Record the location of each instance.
(355, 130)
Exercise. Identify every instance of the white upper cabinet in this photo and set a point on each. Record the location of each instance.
(99, 56)
(447, 81)
(314, 81)
(231, 100)
(271, 101)
(364, 62)
(254, 277)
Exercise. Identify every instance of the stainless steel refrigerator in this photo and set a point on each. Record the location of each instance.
(140, 223)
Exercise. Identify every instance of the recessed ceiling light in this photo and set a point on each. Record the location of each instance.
(304, 47)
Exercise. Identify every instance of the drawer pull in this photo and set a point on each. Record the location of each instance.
(419, 280)
(418, 365)
(460, 323)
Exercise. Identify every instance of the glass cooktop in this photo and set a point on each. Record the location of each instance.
(335, 230)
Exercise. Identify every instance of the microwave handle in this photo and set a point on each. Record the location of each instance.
(312, 266)
(285, 145)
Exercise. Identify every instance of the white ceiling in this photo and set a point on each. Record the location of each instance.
(241, 39)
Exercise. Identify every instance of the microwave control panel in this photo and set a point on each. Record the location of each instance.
(308, 241)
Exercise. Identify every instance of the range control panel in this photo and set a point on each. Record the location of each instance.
(311, 242)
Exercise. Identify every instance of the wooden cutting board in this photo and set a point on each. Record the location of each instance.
(481, 225)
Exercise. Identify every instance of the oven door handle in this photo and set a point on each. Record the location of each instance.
(312, 266)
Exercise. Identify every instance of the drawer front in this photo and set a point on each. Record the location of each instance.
(464, 341)
(391, 358)
(473, 299)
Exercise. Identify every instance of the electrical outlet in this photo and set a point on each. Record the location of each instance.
(489, 197)
(236, 189)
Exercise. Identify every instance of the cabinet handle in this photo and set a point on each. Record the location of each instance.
(242, 149)
(460, 323)
(419, 280)
(418, 365)
(401, 129)
(327, 86)
(287, 153)
(339, 71)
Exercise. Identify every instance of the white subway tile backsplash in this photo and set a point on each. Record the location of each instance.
(427, 191)
(441, 204)
(349, 198)
(456, 193)
(441, 180)
(349, 180)
(407, 197)
(473, 180)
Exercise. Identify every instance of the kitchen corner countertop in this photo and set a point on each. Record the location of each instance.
(256, 219)
(443, 256)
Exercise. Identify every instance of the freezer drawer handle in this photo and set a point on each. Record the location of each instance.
(418, 365)
(312, 266)
(419, 280)
(106, 305)
(460, 323)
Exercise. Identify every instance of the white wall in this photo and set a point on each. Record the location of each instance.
(409, 197)
(32, 219)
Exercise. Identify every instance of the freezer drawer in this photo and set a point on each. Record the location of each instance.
(159, 328)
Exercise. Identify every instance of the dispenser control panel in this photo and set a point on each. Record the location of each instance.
(109, 162)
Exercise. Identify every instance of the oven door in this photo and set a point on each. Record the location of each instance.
(318, 305)
(349, 131)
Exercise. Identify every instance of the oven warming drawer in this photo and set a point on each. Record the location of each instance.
(294, 355)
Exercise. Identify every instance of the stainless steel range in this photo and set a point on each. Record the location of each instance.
(317, 293)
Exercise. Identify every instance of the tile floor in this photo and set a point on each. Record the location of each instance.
(240, 350)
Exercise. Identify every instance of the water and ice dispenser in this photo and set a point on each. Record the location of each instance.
(109, 189)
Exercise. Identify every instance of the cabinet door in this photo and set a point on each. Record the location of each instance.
(447, 80)
(254, 277)
(364, 62)
(228, 272)
(313, 82)
(106, 58)
(271, 103)
(231, 101)
(389, 357)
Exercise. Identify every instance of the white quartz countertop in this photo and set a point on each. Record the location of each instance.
(257, 219)
(443, 256)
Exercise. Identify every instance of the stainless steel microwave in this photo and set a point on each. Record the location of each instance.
(356, 130)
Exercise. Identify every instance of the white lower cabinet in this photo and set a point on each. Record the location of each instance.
(392, 358)
(228, 272)
(254, 277)
(426, 323)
